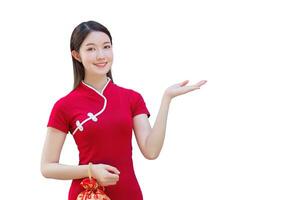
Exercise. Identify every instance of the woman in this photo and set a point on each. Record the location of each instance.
(100, 115)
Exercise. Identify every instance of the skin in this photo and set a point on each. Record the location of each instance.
(96, 48)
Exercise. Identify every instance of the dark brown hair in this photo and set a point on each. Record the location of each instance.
(78, 35)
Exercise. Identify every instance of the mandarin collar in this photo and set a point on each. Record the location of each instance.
(89, 87)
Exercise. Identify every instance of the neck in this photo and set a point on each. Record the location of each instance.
(96, 82)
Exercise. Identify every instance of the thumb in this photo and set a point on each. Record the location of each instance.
(183, 83)
(112, 169)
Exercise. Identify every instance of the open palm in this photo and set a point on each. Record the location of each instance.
(182, 88)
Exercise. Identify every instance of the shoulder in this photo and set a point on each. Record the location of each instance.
(59, 105)
(65, 100)
(129, 92)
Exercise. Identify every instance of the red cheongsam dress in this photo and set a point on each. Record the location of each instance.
(101, 124)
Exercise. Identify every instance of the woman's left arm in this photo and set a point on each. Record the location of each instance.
(150, 140)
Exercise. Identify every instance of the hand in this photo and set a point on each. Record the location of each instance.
(101, 172)
(180, 88)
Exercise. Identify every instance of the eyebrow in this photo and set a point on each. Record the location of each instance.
(95, 44)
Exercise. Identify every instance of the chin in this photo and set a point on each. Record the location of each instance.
(101, 72)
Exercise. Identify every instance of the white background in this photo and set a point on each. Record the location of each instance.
(235, 138)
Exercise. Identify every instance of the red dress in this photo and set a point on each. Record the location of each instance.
(101, 124)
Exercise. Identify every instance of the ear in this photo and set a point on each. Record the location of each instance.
(76, 55)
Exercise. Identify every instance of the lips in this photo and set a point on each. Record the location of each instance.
(101, 64)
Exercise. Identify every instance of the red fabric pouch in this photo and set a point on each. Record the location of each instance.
(92, 190)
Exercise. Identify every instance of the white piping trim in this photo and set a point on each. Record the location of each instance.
(91, 115)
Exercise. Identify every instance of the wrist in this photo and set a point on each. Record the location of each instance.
(166, 98)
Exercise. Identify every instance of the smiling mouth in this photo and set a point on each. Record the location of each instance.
(101, 64)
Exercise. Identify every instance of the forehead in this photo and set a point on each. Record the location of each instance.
(96, 37)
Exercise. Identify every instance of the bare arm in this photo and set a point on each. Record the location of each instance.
(150, 140)
(50, 166)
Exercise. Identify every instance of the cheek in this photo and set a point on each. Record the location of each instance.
(87, 57)
(109, 55)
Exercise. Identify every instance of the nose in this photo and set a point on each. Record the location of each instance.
(100, 54)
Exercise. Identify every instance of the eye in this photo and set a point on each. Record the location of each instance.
(89, 49)
(107, 47)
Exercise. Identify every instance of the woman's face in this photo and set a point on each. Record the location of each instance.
(96, 53)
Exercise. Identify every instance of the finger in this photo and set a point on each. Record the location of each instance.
(113, 176)
(187, 89)
(200, 83)
(203, 82)
(113, 183)
(183, 83)
(110, 180)
(190, 88)
(112, 169)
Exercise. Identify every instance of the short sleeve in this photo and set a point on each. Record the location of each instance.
(58, 118)
(138, 105)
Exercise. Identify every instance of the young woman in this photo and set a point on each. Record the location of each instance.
(100, 115)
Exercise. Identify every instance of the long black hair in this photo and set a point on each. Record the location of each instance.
(78, 35)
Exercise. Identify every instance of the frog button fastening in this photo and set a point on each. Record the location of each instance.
(78, 124)
(92, 116)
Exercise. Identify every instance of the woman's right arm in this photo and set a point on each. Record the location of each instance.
(51, 168)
